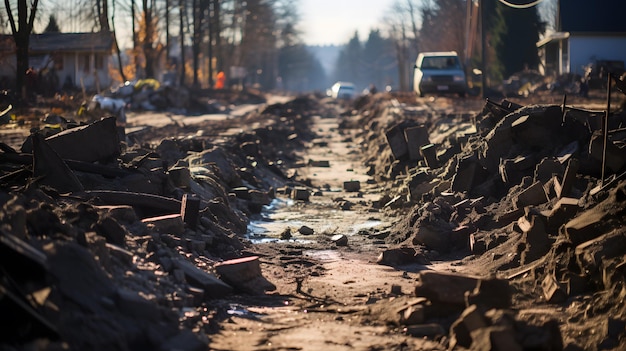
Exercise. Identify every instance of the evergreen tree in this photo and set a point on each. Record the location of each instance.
(53, 26)
(518, 49)
(348, 67)
(299, 70)
(379, 63)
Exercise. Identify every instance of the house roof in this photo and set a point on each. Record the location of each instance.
(593, 16)
(71, 42)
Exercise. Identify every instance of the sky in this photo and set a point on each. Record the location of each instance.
(325, 22)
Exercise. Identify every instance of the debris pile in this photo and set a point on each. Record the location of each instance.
(106, 246)
(521, 191)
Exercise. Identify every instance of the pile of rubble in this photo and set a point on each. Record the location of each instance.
(522, 193)
(106, 246)
(151, 95)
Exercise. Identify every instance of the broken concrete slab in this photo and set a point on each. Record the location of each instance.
(536, 240)
(429, 153)
(460, 332)
(49, 169)
(412, 315)
(614, 157)
(114, 232)
(167, 224)
(591, 254)
(164, 205)
(416, 137)
(397, 141)
(212, 286)
(495, 338)
(564, 210)
(300, 193)
(468, 173)
(189, 210)
(553, 291)
(99, 141)
(547, 168)
(564, 188)
(491, 293)
(244, 274)
(319, 163)
(425, 330)
(531, 196)
(444, 287)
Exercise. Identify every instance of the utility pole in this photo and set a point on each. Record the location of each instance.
(483, 40)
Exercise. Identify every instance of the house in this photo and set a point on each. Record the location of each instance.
(588, 32)
(79, 60)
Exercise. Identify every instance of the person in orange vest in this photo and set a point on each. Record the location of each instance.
(221, 79)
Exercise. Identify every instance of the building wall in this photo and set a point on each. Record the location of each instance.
(90, 71)
(587, 49)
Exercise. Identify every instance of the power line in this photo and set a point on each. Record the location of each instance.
(521, 6)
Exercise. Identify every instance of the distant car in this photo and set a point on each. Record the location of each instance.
(439, 73)
(343, 90)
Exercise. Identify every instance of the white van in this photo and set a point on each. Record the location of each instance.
(439, 73)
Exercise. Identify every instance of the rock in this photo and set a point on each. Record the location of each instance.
(401, 256)
(433, 237)
(304, 230)
(244, 274)
(351, 186)
(286, 234)
(339, 240)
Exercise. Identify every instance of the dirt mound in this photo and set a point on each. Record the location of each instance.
(105, 245)
(517, 190)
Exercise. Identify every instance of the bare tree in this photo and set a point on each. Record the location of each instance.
(401, 26)
(21, 35)
(102, 13)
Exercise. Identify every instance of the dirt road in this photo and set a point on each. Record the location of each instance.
(366, 246)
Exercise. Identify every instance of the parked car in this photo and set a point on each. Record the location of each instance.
(439, 73)
(343, 90)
